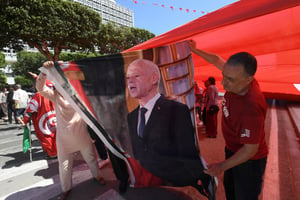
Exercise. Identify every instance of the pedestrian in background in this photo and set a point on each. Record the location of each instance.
(3, 105)
(205, 98)
(21, 100)
(11, 106)
(212, 108)
(198, 102)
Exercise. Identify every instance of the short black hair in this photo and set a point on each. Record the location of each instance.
(212, 80)
(247, 60)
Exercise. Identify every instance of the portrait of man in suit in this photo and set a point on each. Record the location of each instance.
(162, 132)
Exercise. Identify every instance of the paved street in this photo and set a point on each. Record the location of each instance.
(22, 179)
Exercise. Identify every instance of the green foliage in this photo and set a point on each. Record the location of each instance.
(2, 60)
(25, 82)
(31, 62)
(135, 36)
(115, 39)
(76, 56)
(3, 80)
(54, 25)
(28, 62)
(44, 24)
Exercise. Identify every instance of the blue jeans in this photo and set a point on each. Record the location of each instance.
(10, 112)
(20, 111)
(244, 182)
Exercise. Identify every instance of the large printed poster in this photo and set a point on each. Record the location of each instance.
(97, 89)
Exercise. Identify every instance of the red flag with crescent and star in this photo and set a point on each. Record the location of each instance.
(41, 111)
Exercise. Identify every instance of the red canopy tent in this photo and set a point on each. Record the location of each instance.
(269, 29)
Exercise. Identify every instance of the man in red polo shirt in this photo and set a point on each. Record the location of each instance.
(244, 111)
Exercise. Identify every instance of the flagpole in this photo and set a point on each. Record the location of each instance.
(30, 147)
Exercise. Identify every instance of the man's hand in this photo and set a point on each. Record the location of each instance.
(22, 123)
(48, 64)
(242, 155)
(192, 44)
(214, 169)
(32, 74)
(207, 56)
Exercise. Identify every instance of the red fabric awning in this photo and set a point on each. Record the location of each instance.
(268, 29)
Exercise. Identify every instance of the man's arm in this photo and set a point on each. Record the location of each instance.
(41, 83)
(241, 156)
(207, 56)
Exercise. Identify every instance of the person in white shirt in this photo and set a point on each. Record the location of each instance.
(3, 106)
(21, 100)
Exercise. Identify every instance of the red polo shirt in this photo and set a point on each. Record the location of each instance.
(243, 120)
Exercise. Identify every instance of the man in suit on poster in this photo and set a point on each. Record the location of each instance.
(163, 137)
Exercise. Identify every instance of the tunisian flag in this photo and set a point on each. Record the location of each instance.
(268, 29)
(43, 116)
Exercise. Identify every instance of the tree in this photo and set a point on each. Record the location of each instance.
(26, 83)
(109, 35)
(31, 62)
(2, 60)
(64, 56)
(3, 80)
(135, 36)
(115, 39)
(28, 62)
(48, 24)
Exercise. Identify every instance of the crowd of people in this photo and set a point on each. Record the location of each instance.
(161, 130)
(13, 103)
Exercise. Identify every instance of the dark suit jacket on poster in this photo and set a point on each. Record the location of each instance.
(168, 148)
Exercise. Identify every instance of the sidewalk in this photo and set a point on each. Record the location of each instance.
(39, 179)
(212, 150)
(282, 176)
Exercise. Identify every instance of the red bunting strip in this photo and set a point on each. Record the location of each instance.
(171, 7)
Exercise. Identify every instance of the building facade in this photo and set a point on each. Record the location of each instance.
(10, 58)
(110, 11)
